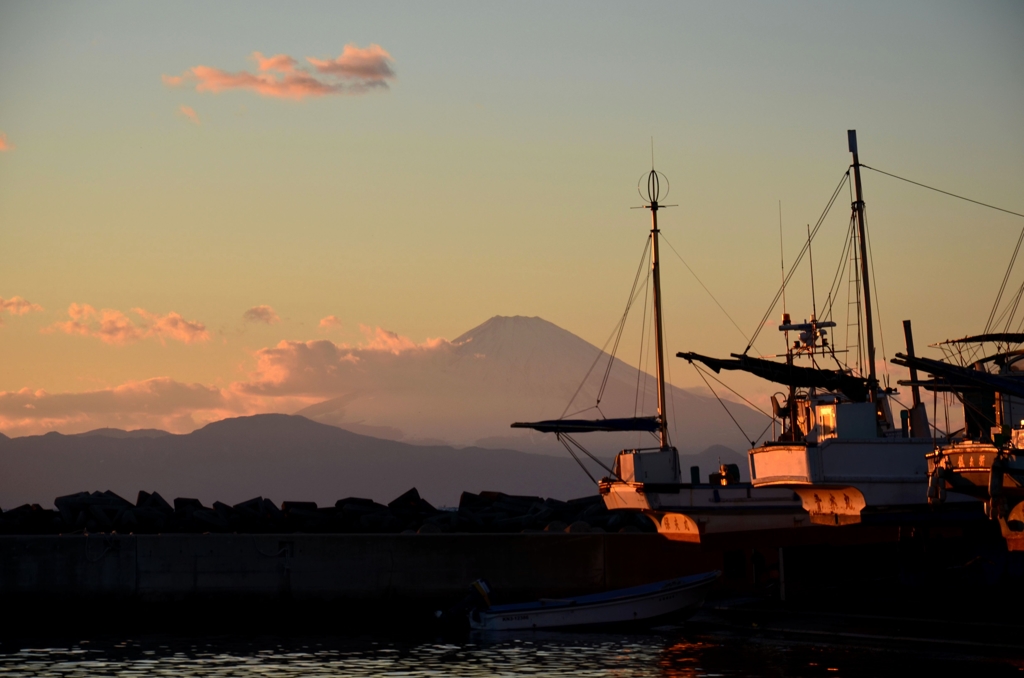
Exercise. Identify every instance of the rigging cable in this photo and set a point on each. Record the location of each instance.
(701, 283)
(578, 461)
(706, 383)
(640, 358)
(1002, 287)
(995, 307)
(650, 337)
(622, 323)
(735, 392)
(939, 190)
(587, 452)
(878, 305)
(602, 351)
(833, 289)
(796, 262)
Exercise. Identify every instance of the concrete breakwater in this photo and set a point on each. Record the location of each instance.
(411, 568)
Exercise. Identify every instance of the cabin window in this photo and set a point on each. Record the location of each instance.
(826, 421)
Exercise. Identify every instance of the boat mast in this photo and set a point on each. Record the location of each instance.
(653, 193)
(858, 208)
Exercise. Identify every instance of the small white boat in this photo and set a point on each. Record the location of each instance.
(673, 598)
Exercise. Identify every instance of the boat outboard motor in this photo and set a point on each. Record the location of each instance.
(477, 598)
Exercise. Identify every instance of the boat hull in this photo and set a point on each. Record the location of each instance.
(672, 599)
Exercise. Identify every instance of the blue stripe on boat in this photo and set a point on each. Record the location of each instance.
(606, 596)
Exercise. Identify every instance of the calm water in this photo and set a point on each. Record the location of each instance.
(669, 654)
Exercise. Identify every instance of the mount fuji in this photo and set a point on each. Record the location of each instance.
(468, 392)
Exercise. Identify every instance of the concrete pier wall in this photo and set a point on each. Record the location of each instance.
(324, 567)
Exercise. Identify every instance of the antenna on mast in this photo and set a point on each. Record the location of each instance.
(858, 212)
(651, 193)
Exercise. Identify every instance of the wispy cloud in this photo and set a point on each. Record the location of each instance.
(114, 327)
(329, 323)
(261, 314)
(5, 145)
(17, 306)
(154, 403)
(355, 71)
(189, 113)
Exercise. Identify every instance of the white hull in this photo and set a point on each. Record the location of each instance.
(673, 598)
(710, 509)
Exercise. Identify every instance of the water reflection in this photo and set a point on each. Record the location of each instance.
(670, 655)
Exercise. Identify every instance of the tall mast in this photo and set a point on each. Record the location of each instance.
(653, 193)
(858, 208)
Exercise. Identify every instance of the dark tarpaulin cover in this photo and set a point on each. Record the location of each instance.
(588, 425)
(854, 388)
(963, 377)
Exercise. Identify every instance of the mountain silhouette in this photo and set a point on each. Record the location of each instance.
(287, 458)
(121, 433)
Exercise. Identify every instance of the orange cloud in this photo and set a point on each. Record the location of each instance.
(329, 323)
(173, 326)
(16, 306)
(278, 62)
(372, 63)
(356, 71)
(189, 113)
(380, 339)
(114, 327)
(5, 145)
(261, 314)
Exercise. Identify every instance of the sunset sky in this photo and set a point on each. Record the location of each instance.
(197, 197)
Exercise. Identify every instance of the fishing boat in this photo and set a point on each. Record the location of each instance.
(837, 456)
(650, 479)
(671, 600)
(840, 448)
(985, 459)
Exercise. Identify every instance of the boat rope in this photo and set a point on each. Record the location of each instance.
(833, 290)
(939, 190)
(622, 322)
(701, 283)
(640, 358)
(1016, 250)
(566, 439)
(720, 402)
(600, 353)
(1012, 308)
(578, 461)
(796, 262)
(878, 304)
(647, 363)
(1002, 287)
(735, 393)
(587, 452)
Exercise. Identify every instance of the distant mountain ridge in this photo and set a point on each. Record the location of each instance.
(121, 433)
(272, 455)
(283, 457)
